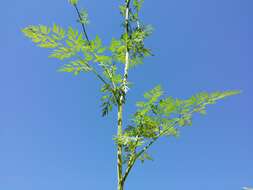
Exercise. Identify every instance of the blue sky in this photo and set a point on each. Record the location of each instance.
(51, 133)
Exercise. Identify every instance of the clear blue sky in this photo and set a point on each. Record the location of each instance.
(51, 133)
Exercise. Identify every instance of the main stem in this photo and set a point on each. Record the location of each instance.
(121, 101)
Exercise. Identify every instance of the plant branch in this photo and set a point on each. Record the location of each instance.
(135, 157)
(92, 68)
(131, 161)
(95, 72)
(83, 26)
(113, 88)
(87, 38)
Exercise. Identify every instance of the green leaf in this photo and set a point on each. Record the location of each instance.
(148, 157)
(108, 99)
(138, 4)
(97, 42)
(118, 50)
(101, 50)
(72, 34)
(154, 94)
(84, 17)
(88, 56)
(103, 59)
(43, 36)
(145, 156)
(64, 46)
(75, 67)
(73, 2)
(62, 53)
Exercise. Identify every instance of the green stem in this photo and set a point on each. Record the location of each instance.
(83, 26)
(121, 101)
(94, 71)
(119, 152)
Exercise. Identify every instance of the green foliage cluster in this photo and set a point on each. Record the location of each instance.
(136, 34)
(83, 55)
(64, 45)
(158, 116)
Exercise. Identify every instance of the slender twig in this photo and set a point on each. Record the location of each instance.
(145, 148)
(87, 38)
(83, 26)
(111, 77)
(98, 75)
(131, 160)
(134, 158)
(94, 71)
(92, 68)
(112, 86)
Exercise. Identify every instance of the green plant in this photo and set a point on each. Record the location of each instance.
(157, 116)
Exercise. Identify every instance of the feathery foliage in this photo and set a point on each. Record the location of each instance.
(157, 116)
